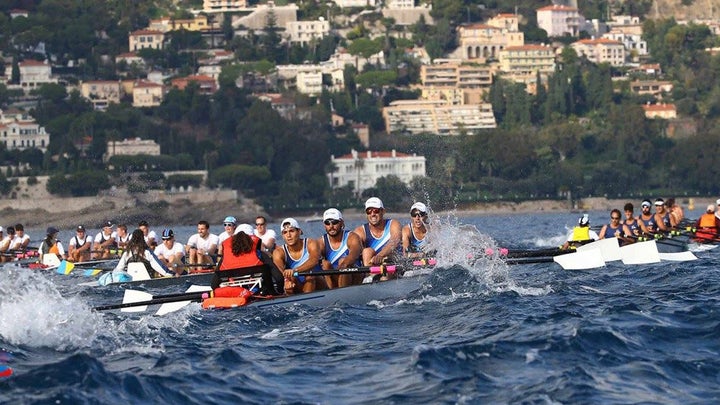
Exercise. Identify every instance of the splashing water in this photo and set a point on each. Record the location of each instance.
(460, 244)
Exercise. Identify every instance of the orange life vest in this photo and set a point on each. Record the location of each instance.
(707, 229)
(54, 249)
(250, 259)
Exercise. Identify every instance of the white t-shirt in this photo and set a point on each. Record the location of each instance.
(18, 240)
(101, 237)
(162, 250)
(222, 237)
(203, 243)
(119, 239)
(77, 242)
(269, 234)
(152, 235)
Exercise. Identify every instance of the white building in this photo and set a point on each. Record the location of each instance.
(634, 43)
(601, 51)
(133, 147)
(361, 171)
(33, 74)
(437, 117)
(558, 20)
(19, 131)
(303, 32)
(223, 6)
(355, 3)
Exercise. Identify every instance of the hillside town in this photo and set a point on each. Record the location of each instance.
(452, 93)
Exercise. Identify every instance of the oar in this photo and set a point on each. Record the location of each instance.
(139, 300)
(531, 260)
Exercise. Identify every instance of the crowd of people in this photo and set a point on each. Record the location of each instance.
(667, 217)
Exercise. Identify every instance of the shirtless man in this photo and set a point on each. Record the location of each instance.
(380, 236)
(339, 249)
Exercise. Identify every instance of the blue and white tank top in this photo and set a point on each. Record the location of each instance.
(634, 226)
(377, 244)
(334, 255)
(416, 245)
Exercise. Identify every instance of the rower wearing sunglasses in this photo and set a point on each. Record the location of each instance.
(339, 249)
(414, 234)
(381, 236)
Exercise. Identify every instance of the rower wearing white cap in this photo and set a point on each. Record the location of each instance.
(339, 249)
(646, 217)
(414, 234)
(663, 220)
(381, 236)
(298, 255)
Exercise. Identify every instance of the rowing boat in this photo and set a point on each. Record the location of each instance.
(405, 283)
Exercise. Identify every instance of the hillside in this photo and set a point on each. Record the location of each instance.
(703, 9)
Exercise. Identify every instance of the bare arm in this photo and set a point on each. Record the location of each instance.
(354, 251)
(395, 237)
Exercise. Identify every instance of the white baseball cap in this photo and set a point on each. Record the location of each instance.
(332, 213)
(289, 222)
(419, 206)
(710, 208)
(717, 202)
(374, 202)
(247, 228)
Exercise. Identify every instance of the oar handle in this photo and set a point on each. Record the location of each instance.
(353, 270)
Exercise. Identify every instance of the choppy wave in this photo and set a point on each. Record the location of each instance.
(478, 331)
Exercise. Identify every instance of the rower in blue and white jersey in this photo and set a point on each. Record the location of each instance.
(414, 234)
(615, 229)
(646, 218)
(634, 225)
(298, 255)
(662, 219)
(339, 249)
(381, 236)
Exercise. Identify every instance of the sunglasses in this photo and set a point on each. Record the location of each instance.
(418, 214)
(331, 221)
(228, 224)
(372, 211)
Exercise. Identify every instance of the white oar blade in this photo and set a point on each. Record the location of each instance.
(609, 248)
(678, 257)
(171, 307)
(198, 288)
(135, 296)
(590, 259)
(640, 253)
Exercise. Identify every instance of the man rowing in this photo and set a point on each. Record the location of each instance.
(104, 241)
(414, 234)
(634, 225)
(298, 255)
(21, 240)
(580, 234)
(381, 236)
(202, 247)
(339, 249)
(170, 252)
(616, 229)
(79, 245)
(662, 220)
(5, 244)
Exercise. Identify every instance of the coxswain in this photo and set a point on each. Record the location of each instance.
(707, 226)
(138, 251)
(580, 234)
(51, 245)
(243, 257)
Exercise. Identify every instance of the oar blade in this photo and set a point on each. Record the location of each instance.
(92, 272)
(609, 248)
(135, 296)
(640, 253)
(65, 267)
(590, 259)
(678, 257)
(176, 306)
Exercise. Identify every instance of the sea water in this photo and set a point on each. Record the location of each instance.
(478, 331)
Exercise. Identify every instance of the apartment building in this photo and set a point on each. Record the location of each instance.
(223, 6)
(483, 41)
(302, 32)
(436, 117)
(634, 44)
(455, 82)
(559, 20)
(601, 50)
(527, 60)
(147, 94)
(361, 170)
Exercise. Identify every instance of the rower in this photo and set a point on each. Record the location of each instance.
(298, 255)
(381, 236)
(662, 219)
(414, 234)
(581, 234)
(104, 241)
(616, 229)
(5, 244)
(21, 240)
(170, 252)
(80, 245)
(244, 257)
(647, 219)
(202, 247)
(339, 249)
(635, 225)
